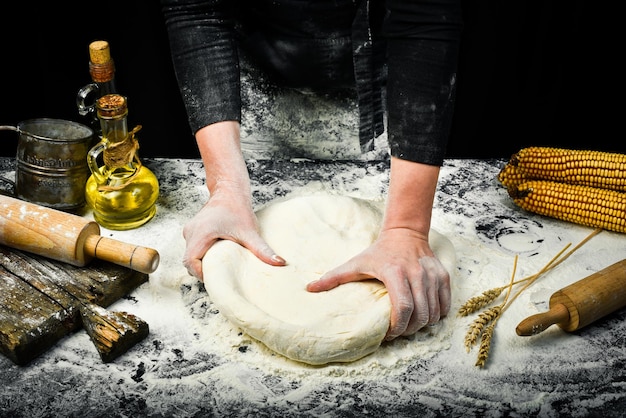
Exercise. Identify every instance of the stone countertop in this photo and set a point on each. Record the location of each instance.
(194, 364)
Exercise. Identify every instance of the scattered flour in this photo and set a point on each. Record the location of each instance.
(481, 266)
(194, 361)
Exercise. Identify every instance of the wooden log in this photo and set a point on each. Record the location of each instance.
(30, 322)
(41, 302)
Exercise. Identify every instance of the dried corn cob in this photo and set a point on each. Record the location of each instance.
(510, 176)
(605, 170)
(583, 205)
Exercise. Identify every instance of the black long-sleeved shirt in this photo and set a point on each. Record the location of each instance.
(416, 42)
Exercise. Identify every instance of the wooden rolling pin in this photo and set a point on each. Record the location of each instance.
(582, 302)
(66, 237)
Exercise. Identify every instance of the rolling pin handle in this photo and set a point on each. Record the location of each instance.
(142, 259)
(558, 314)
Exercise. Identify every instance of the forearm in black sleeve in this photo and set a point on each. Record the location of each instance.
(422, 47)
(204, 54)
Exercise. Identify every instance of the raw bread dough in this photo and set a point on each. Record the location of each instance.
(314, 234)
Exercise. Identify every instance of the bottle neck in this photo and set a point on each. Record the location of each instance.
(104, 75)
(102, 72)
(107, 87)
(112, 110)
(120, 145)
(103, 83)
(114, 129)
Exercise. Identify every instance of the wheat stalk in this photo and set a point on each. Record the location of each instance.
(485, 318)
(474, 303)
(484, 325)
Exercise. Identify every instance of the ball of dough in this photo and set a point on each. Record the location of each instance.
(271, 304)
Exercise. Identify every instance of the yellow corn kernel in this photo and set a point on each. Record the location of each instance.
(510, 176)
(583, 205)
(605, 170)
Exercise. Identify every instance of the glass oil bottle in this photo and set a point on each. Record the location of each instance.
(102, 72)
(122, 192)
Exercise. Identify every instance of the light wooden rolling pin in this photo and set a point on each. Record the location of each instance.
(582, 302)
(66, 237)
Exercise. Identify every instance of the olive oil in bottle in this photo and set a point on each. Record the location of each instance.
(122, 192)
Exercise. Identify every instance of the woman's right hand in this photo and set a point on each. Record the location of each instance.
(227, 215)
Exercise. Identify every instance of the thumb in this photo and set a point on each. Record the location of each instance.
(261, 249)
(331, 279)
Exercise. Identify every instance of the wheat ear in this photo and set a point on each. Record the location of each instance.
(474, 303)
(485, 344)
(488, 316)
(487, 334)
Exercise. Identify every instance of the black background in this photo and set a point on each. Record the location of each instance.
(531, 73)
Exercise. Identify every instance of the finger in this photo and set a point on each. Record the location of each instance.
(261, 249)
(431, 291)
(423, 298)
(402, 305)
(441, 297)
(445, 300)
(333, 278)
(445, 296)
(194, 252)
(428, 285)
(434, 307)
(194, 267)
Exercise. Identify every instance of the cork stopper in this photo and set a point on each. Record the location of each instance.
(111, 106)
(99, 52)
(101, 65)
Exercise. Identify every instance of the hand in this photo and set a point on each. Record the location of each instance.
(228, 214)
(225, 216)
(417, 283)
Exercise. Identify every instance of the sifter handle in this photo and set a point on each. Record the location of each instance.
(142, 259)
(535, 324)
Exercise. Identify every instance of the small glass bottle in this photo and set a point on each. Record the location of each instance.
(102, 72)
(122, 192)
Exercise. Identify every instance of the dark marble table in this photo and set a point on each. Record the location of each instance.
(194, 364)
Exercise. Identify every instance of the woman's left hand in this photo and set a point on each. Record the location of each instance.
(417, 283)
